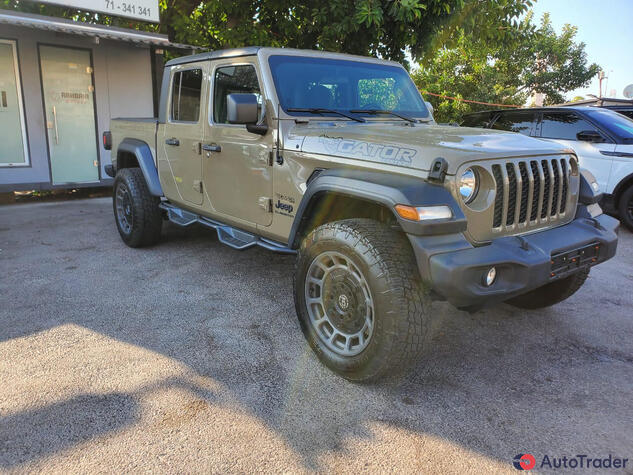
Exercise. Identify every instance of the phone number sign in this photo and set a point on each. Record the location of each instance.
(146, 10)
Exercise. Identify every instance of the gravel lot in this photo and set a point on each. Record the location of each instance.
(188, 357)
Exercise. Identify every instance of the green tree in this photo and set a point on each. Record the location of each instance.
(385, 28)
(531, 59)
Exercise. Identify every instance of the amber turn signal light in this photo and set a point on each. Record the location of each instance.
(423, 213)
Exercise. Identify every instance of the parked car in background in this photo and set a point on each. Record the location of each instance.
(602, 139)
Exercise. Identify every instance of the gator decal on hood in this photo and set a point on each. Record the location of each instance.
(351, 148)
(414, 147)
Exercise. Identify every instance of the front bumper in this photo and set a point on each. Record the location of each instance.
(455, 269)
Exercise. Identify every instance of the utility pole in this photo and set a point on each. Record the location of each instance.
(600, 78)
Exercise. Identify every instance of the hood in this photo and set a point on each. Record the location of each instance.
(397, 143)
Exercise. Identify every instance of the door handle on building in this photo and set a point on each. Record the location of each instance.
(173, 141)
(55, 122)
(212, 148)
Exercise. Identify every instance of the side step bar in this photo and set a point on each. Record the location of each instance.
(228, 235)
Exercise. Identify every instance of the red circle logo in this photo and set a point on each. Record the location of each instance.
(524, 462)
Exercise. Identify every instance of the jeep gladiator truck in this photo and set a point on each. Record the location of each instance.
(337, 158)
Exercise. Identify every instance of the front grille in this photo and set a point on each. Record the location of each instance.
(530, 192)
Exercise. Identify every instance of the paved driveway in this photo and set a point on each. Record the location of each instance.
(188, 357)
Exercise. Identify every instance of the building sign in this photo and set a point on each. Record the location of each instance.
(145, 10)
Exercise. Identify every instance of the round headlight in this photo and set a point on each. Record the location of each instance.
(468, 184)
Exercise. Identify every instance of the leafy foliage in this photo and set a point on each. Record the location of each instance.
(531, 59)
(385, 28)
(382, 28)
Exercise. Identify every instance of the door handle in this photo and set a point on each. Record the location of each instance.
(55, 121)
(172, 141)
(212, 148)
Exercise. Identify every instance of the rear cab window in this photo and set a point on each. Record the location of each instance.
(186, 90)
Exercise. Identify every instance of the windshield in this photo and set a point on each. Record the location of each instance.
(320, 83)
(615, 123)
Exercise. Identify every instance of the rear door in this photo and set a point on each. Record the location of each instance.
(562, 127)
(181, 136)
(237, 175)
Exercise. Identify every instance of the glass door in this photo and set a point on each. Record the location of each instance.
(70, 115)
(12, 130)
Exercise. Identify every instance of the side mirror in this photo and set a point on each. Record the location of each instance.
(592, 136)
(429, 106)
(243, 109)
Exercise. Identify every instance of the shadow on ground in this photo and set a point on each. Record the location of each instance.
(497, 383)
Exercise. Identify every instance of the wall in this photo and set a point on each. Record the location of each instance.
(123, 87)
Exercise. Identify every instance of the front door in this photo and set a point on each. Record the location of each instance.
(237, 175)
(181, 136)
(70, 114)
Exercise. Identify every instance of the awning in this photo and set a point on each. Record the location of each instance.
(71, 27)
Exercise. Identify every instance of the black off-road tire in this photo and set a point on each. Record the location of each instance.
(400, 299)
(551, 294)
(625, 208)
(141, 224)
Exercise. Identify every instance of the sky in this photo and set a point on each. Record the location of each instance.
(606, 28)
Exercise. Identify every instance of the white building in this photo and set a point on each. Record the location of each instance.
(60, 84)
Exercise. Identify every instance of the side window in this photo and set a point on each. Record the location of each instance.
(520, 122)
(563, 125)
(185, 95)
(230, 80)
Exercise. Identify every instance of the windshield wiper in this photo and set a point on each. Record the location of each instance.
(318, 110)
(381, 111)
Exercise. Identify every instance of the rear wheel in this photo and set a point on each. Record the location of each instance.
(136, 212)
(359, 298)
(552, 293)
(625, 208)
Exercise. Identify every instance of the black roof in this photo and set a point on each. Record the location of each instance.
(539, 109)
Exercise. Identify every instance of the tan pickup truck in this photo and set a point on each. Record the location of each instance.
(337, 158)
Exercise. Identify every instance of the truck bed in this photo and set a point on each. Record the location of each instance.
(140, 128)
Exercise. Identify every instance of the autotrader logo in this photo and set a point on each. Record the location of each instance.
(524, 462)
(580, 461)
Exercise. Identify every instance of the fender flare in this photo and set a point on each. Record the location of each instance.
(622, 185)
(385, 189)
(586, 194)
(145, 160)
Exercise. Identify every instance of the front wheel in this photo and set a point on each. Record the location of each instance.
(625, 208)
(359, 298)
(136, 212)
(552, 293)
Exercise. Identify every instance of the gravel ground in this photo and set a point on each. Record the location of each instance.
(187, 357)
